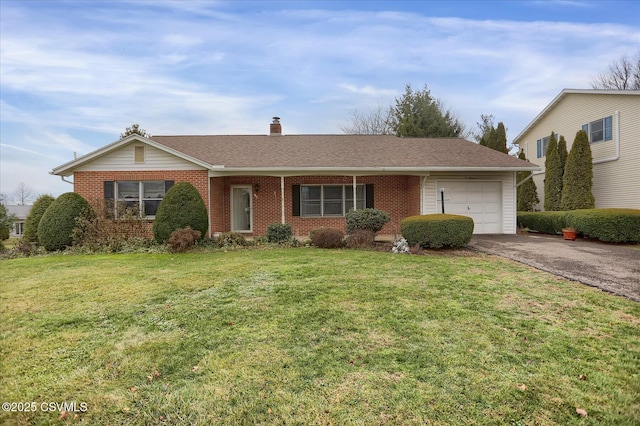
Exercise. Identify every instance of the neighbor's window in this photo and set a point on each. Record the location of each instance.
(543, 144)
(330, 200)
(142, 197)
(599, 130)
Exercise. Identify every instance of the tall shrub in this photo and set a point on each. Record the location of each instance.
(34, 216)
(562, 152)
(578, 175)
(553, 177)
(181, 207)
(55, 230)
(6, 223)
(527, 192)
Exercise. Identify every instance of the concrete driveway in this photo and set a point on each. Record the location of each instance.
(613, 268)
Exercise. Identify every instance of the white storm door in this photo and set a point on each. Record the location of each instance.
(241, 209)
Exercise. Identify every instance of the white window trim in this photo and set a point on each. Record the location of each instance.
(141, 198)
(345, 188)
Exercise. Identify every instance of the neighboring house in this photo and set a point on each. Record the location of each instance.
(611, 118)
(21, 213)
(308, 181)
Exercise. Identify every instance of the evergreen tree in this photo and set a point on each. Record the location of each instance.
(33, 218)
(562, 152)
(417, 114)
(553, 177)
(182, 206)
(578, 175)
(527, 193)
(500, 139)
(483, 141)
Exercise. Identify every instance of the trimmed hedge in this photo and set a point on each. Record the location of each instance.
(608, 225)
(367, 219)
(181, 207)
(544, 222)
(327, 238)
(279, 233)
(55, 230)
(33, 218)
(437, 230)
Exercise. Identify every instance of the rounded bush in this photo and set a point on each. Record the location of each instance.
(181, 207)
(55, 229)
(279, 233)
(231, 239)
(437, 230)
(550, 222)
(181, 240)
(367, 219)
(327, 238)
(608, 225)
(34, 216)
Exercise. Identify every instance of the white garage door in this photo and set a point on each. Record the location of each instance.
(482, 201)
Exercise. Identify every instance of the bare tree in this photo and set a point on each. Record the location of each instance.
(376, 122)
(624, 74)
(484, 128)
(23, 194)
(134, 129)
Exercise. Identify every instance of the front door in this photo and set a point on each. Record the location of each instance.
(241, 213)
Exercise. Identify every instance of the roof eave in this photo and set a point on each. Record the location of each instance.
(349, 171)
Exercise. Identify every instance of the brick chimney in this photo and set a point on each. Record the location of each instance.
(275, 127)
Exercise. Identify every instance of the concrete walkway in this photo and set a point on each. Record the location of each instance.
(613, 268)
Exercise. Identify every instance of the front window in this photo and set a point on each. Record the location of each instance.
(330, 200)
(140, 198)
(599, 130)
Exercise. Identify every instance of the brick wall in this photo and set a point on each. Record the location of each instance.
(90, 185)
(397, 195)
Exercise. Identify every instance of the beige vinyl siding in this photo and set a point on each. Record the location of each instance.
(124, 158)
(430, 193)
(615, 183)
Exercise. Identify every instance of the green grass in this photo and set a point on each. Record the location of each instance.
(309, 336)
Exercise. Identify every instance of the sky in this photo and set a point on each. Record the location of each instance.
(75, 74)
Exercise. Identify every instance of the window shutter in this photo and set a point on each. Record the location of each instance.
(109, 199)
(369, 196)
(607, 128)
(167, 185)
(295, 197)
(539, 144)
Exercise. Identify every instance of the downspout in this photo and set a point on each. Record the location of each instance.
(64, 180)
(209, 202)
(616, 157)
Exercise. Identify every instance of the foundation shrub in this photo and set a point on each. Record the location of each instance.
(34, 216)
(231, 239)
(327, 238)
(550, 222)
(100, 232)
(56, 227)
(361, 238)
(183, 239)
(369, 219)
(279, 233)
(181, 207)
(608, 225)
(437, 230)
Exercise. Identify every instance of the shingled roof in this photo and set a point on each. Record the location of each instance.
(340, 151)
(371, 154)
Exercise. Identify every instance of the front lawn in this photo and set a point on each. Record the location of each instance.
(310, 336)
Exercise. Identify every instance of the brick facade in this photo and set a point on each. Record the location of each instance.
(397, 195)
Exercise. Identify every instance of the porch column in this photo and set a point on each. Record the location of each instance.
(282, 197)
(354, 192)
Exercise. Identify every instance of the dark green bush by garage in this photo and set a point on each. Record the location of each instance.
(550, 222)
(608, 225)
(33, 218)
(55, 229)
(368, 219)
(181, 207)
(437, 230)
